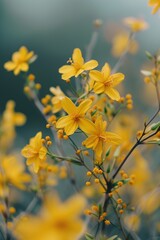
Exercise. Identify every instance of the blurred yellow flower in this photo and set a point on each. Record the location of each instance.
(105, 81)
(20, 61)
(56, 220)
(8, 121)
(99, 139)
(135, 24)
(35, 152)
(12, 172)
(121, 43)
(76, 116)
(57, 99)
(155, 4)
(132, 221)
(77, 65)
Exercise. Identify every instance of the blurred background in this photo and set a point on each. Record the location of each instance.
(52, 29)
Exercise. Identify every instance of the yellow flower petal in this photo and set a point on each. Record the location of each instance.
(90, 65)
(61, 123)
(117, 78)
(91, 141)
(17, 70)
(67, 72)
(19, 119)
(9, 66)
(68, 106)
(79, 72)
(24, 67)
(84, 106)
(113, 138)
(86, 126)
(99, 87)
(112, 93)
(71, 127)
(99, 149)
(106, 70)
(16, 57)
(96, 76)
(77, 56)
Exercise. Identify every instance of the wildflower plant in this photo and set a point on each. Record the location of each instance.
(95, 123)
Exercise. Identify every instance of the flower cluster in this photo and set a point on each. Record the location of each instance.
(92, 128)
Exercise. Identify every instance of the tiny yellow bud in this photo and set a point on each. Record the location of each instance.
(129, 106)
(110, 194)
(89, 173)
(88, 212)
(119, 201)
(31, 77)
(120, 184)
(86, 153)
(38, 86)
(125, 176)
(26, 89)
(96, 180)
(65, 137)
(124, 205)
(101, 218)
(128, 96)
(107, 222)
(95, 208)
(129, 101)
(88, 183)
(68, 81)
(100, 171)
(78, 151)
(121, 100)
(49, 143)
(43, 141)
(104, 214)
(47, 138)
(121, 211)
(12, 210)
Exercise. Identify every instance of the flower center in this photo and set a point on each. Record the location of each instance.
(108, 83)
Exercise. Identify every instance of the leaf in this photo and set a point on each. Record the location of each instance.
(149, 55)
(108, 169)
(88, 236)
(112, 238)
(155, 126)
(108, 152)
(117, 152)
(74, 162)
(146, 73)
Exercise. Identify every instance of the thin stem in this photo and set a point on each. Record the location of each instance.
(122, 57)
(91, 45)
(125, 159)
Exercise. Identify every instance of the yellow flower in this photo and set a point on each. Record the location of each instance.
(56, 220)
(35, 152)
(122, 43)
(9, 120)
(77, 65)
(105, 81)
(155, 4)
(135, 24)
(76, 116)
(12, 172)
(57, 99)
(20, 61)
(99, 139)
(132, 221)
